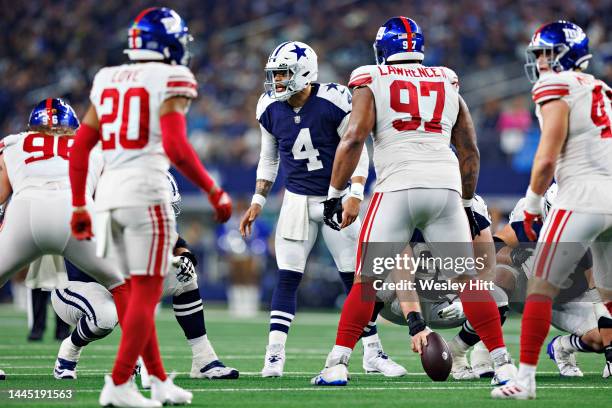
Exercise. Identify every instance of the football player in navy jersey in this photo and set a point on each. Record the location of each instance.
(86, 304)
(301, 124)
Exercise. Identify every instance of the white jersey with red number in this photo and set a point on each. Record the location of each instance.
(36, 162)
(584, 167)
(128, 99)
(416, 109)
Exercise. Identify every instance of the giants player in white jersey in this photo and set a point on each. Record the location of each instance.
(34, 169)
(575, 147)
(138, 116)
(415, 113)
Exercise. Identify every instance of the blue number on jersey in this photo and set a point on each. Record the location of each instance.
(307, 140)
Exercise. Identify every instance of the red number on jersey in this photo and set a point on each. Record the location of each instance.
(598, 112)
(109, 142)
(412, 106)
(46, 144)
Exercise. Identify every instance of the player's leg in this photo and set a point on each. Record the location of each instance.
(89, 307)
(602, 271)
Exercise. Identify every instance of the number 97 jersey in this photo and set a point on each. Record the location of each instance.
(127, 99)
(416, 109)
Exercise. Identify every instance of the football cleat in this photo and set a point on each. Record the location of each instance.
(504, 374)
(336, 375)
(65, 369)
(2, 375)
(516, 390)
(461, 369)
(274, 362)
(124, 395)
(380, 362)
(166, 392)
(607, 371)
(214, 370)
(566, 361)
(482, 365)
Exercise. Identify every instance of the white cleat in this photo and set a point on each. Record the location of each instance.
(124, 395)
(566, 361)
(336, 375)
(482, 365)
(2, 375)
(379, 362)
(166, 392)
(461, 369)
(214, 370)
(64, 369)
(504, 374)
(516, 390)
(607, 371)
(274, 362)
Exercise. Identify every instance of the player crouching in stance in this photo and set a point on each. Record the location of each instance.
(415, 113)
(301, 125)
(89, 306)
(575, 147)
(137, 113)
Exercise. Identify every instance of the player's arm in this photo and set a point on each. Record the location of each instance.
(184, 158)
(508, 236)
(5, 185)
(267, 170)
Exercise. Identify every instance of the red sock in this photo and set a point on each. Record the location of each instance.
(356, 314)
(152, 357)
(138, 324)
(534, 328)
(121, 295)
(481, 311)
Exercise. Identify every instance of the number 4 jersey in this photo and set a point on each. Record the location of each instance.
(584, 167)
(416, 109)
(128, 99)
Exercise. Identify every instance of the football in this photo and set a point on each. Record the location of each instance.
(436, 358)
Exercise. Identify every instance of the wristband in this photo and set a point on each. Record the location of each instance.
(334, 193)
(416, 323)
(357, 191)
(533, 202)
(258, 199)
(468, 202)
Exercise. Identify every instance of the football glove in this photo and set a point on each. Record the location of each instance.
(528, 224)
(519, 255)
(333, 207)
(81, 225)
(185, 267)
(452, 312)
(222, 203)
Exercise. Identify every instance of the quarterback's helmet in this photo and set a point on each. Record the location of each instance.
(549, 199)
(175, 195)
(565, 45)
(55, 115)
(159, 34)
(400, 38)
(297, 62)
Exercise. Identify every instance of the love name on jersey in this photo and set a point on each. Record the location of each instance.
(125, 76)
(420, 72)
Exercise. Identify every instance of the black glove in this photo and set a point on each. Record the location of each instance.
(474, 227)
(520, 255)
(331, 207)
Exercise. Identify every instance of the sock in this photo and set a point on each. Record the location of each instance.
(535, 325)
(338, 355)
(152, 356)
(468, 334)
(356, 314)
(526, 371)
(371, 329)
(571, 342)
(189, 313)
(202, 350)
(138, 325)
(121, 296)
(481, 310)
(347, 280)
(86, 332)
(284, 304)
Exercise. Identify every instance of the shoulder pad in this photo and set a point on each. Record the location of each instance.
(11, 140)
(262, 104)
(337, 94)
(362, 76)
(479, 206)
(180, 82)
(551, 86)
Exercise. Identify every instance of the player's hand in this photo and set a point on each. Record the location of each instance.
(530, 218)
(453, 311)
(419, 340)
(222, 203)
(350, 211)
(474, 227)
(519, 255)
(332, 207)
(185, 268)
(80, 224)
(246, 223)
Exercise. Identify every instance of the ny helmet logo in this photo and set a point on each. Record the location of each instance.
(574, 36)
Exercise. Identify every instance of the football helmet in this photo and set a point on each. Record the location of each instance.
(565, 45)
(55, 115)
(549, 199)
(400, 38)
(159, 34)
(297, 62)
(175, 195)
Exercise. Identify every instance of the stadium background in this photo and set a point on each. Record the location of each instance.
(53, 49)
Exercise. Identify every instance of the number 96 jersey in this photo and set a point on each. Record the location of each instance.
(416, 109)
(127, 99)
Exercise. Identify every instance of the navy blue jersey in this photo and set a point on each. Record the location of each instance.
(307, 138)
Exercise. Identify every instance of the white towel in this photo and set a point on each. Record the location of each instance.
(47, 272)
(293, 219)
(102, 233)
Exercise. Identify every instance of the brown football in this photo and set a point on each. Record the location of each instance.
(436, 358)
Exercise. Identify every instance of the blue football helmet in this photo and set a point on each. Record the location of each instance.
(53, 114)
(175, 195)
(400, 38)
(565, 45)
(159, 34)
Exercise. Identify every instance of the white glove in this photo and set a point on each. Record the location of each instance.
(453, 311)
(185, 269)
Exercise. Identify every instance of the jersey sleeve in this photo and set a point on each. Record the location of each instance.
(180, 82)
(481, 213)
(2, 146)
(267, 169)
(261, 112)
(550, 87)
(8, 141)
(452, 77)
(362, 76)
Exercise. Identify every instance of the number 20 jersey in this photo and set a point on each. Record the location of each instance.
(416, 109)
(584, 167)
(128, 99)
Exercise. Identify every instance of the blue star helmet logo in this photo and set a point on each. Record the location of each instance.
(332, 86)
(300, 52)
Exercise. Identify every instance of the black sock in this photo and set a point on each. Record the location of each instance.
(189, 313)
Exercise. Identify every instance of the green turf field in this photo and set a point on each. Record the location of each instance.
(241, 344)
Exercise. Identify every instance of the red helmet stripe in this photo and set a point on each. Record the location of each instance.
(49, 107)
(408, 32)
(142, 14)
